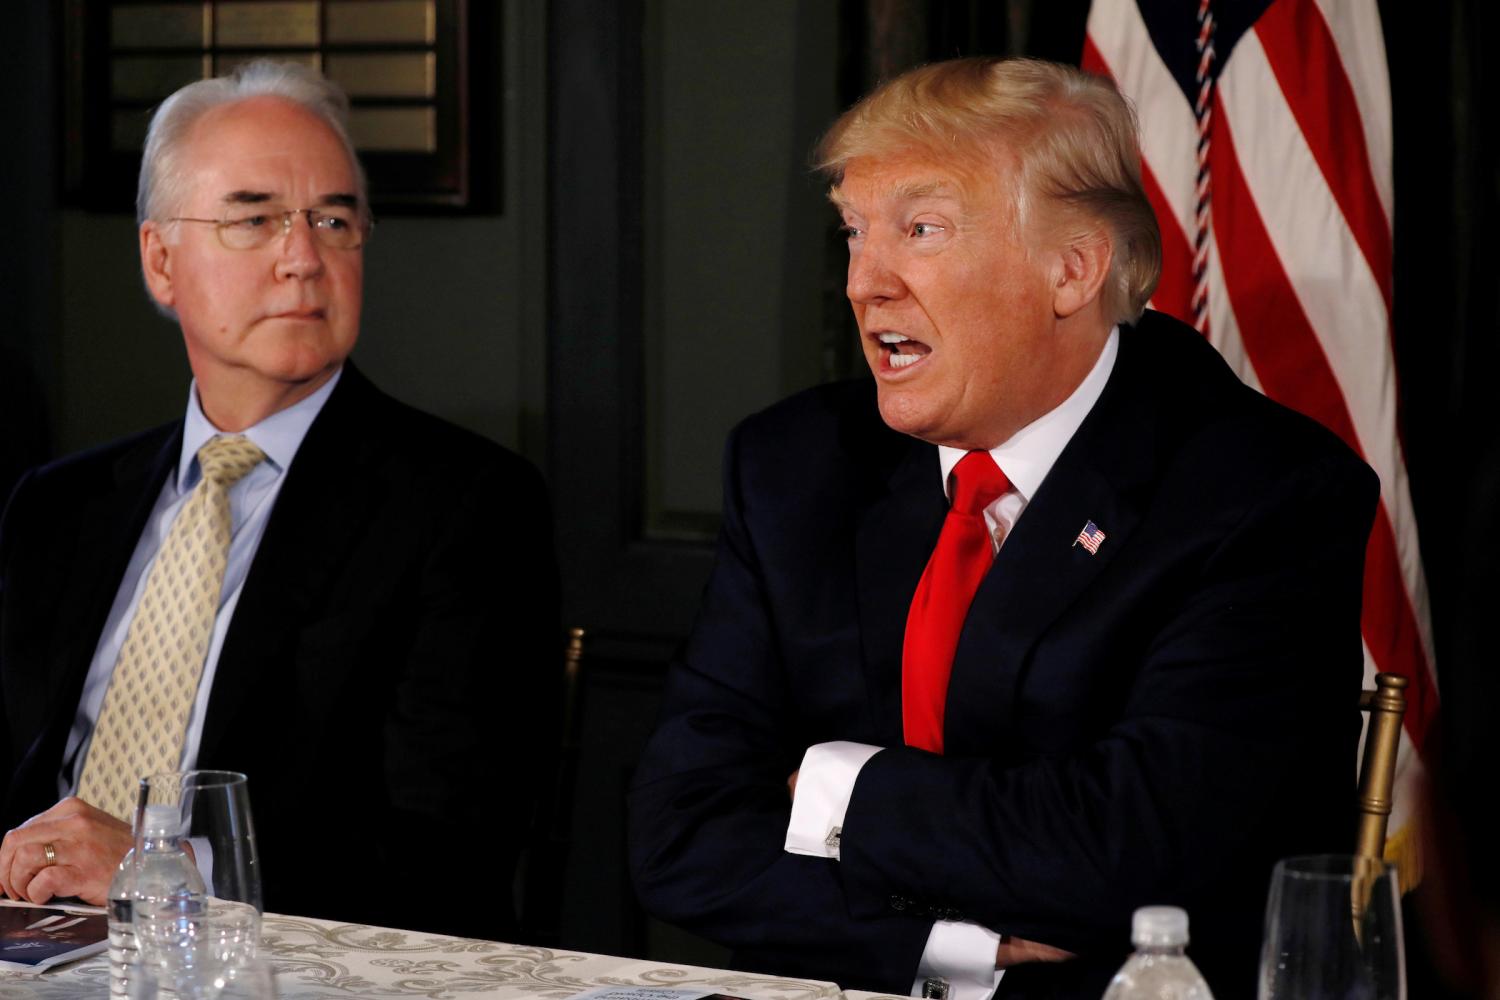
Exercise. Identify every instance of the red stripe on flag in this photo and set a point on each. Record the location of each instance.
(1396, 646)
(1092, 61)
(1174, 292)
(1305, 58)
(1293, 369)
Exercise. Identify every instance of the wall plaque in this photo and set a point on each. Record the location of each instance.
(161, 25)
(408, 66)
(364, 22)
(257, 25)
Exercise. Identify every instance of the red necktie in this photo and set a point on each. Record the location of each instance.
(938, 608)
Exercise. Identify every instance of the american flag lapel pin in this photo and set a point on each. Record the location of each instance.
(1090, 538)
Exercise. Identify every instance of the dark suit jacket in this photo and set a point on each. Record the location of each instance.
(384, 676)
(1156, 723)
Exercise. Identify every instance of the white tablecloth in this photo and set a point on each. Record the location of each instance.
(317, 959)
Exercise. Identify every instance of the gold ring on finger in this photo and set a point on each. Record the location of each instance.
(50, 852)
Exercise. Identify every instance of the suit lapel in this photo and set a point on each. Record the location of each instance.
(112, 527)
(320, 515)
(894, 537)
(107, 528)
(1105, 475)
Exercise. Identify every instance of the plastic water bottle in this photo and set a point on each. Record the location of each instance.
(1159, 969)
(165, 870)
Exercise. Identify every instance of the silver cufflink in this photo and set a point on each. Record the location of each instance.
(935, 988)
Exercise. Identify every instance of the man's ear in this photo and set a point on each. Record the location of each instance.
(1084, 267)
(156, 264)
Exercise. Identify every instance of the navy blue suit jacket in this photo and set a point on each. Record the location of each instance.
(1154, 723)
(388, 663)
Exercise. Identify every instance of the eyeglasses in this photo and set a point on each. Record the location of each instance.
(251, 228)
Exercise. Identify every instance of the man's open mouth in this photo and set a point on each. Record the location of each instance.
(900, 350)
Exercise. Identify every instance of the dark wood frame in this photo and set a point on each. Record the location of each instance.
(462, 176)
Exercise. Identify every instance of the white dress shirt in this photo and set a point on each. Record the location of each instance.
(959, 951)
(250, 503)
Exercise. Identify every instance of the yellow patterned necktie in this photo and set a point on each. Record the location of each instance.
(144, 717)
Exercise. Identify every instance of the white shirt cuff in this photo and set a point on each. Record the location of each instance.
(824, 784)
(961, 952)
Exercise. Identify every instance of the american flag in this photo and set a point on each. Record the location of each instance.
(1090, 537)
(1266, 152)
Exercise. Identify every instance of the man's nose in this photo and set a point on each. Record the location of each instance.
(872, 278)
(299, 254)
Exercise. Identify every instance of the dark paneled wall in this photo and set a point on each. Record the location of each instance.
(29, 248)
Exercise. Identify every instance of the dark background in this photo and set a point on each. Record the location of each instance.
(663, 265)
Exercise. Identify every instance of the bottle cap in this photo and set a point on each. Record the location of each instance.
(1159, 925)
(162, 821)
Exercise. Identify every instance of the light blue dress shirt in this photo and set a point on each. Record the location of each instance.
(250, 503)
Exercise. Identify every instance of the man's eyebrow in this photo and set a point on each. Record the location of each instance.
(924, 189)
(341, 198)
(910, 191)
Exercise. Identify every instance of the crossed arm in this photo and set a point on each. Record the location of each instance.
(1222, 680)
(1010, 951)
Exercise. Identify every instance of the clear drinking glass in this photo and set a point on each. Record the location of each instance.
(198, 946)
(254, 980)
(214, 807)
(1333, 931)
(196, 943)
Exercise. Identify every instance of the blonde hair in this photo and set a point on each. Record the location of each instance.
(1071, 135)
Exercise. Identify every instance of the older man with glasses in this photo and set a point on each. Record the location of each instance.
(302, 579)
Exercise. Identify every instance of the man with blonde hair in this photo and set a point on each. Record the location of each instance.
(1051, 619)
(301, 579)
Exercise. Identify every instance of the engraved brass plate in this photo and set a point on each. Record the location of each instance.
(403, 74)
(159, 26)
(374, 21)
(394, 130)
(151, 78)
(246, 24)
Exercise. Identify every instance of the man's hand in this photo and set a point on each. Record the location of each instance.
(87, 845)
(1014, 951)
(791, 784)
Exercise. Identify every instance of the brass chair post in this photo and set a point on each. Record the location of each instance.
(1377, 772)
(550, 839)
(1377, 777)
(572, 663)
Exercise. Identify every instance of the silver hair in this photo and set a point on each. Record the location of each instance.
(164, 178)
